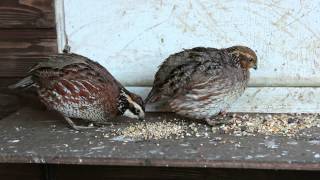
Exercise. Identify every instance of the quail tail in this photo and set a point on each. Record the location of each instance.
(152, 97)
(24, 83)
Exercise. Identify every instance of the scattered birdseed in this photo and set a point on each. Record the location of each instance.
(154, 130)
(235, 124)
(275, 124)
(14, 141)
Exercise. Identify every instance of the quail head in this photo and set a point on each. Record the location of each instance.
(80, 88)
(202, 82)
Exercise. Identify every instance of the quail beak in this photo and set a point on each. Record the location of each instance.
(255, 67)
(141, 117)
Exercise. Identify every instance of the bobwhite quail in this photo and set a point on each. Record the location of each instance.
(202, 82)
(78, 87)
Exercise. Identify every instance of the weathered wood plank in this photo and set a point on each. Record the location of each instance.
(27, 42)
(22, 48)
(264, 100)
(18, 66)
(6, 81)
(21, 171)
(67, 172)
(34, 136)
(8, 104)
(84, 172)
(27, 14)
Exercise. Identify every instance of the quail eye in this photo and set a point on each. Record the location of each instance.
(137, 111)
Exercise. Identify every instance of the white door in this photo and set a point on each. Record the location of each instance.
(132, 37)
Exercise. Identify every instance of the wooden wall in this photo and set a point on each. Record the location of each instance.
(27, 36)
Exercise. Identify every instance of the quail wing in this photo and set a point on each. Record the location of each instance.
(187, 71)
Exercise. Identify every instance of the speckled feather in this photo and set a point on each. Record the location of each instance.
(199, 82)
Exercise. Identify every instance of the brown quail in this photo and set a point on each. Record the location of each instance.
(202, 82)
(78, 87)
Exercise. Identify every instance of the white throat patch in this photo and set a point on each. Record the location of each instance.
(129, 114)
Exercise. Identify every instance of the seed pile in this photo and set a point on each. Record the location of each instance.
(176, 129)
(277, 124)
(238, 125)
(154, 130)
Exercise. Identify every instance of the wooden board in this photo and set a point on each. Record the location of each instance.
(8, 104)
(22, 48)
(264, 100)
(132, 38)
(84, 172)
(27, 14)
(21, 171)
(33, 136)
(27, 42)
(18, 66)
(6, 81)
(27, 36)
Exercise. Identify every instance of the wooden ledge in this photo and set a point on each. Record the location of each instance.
(34, 136)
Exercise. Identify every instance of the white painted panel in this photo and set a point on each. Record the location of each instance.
(265, 99)
(132, 37)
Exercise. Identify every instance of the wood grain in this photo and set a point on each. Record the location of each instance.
(66, 172)
(6, 81)
(21, 171)
(8, 104)
(22, 48)
(57, 144)
(27, 42)
(27, 14)
(18, 66)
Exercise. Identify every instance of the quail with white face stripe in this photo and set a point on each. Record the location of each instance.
(80, 88)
